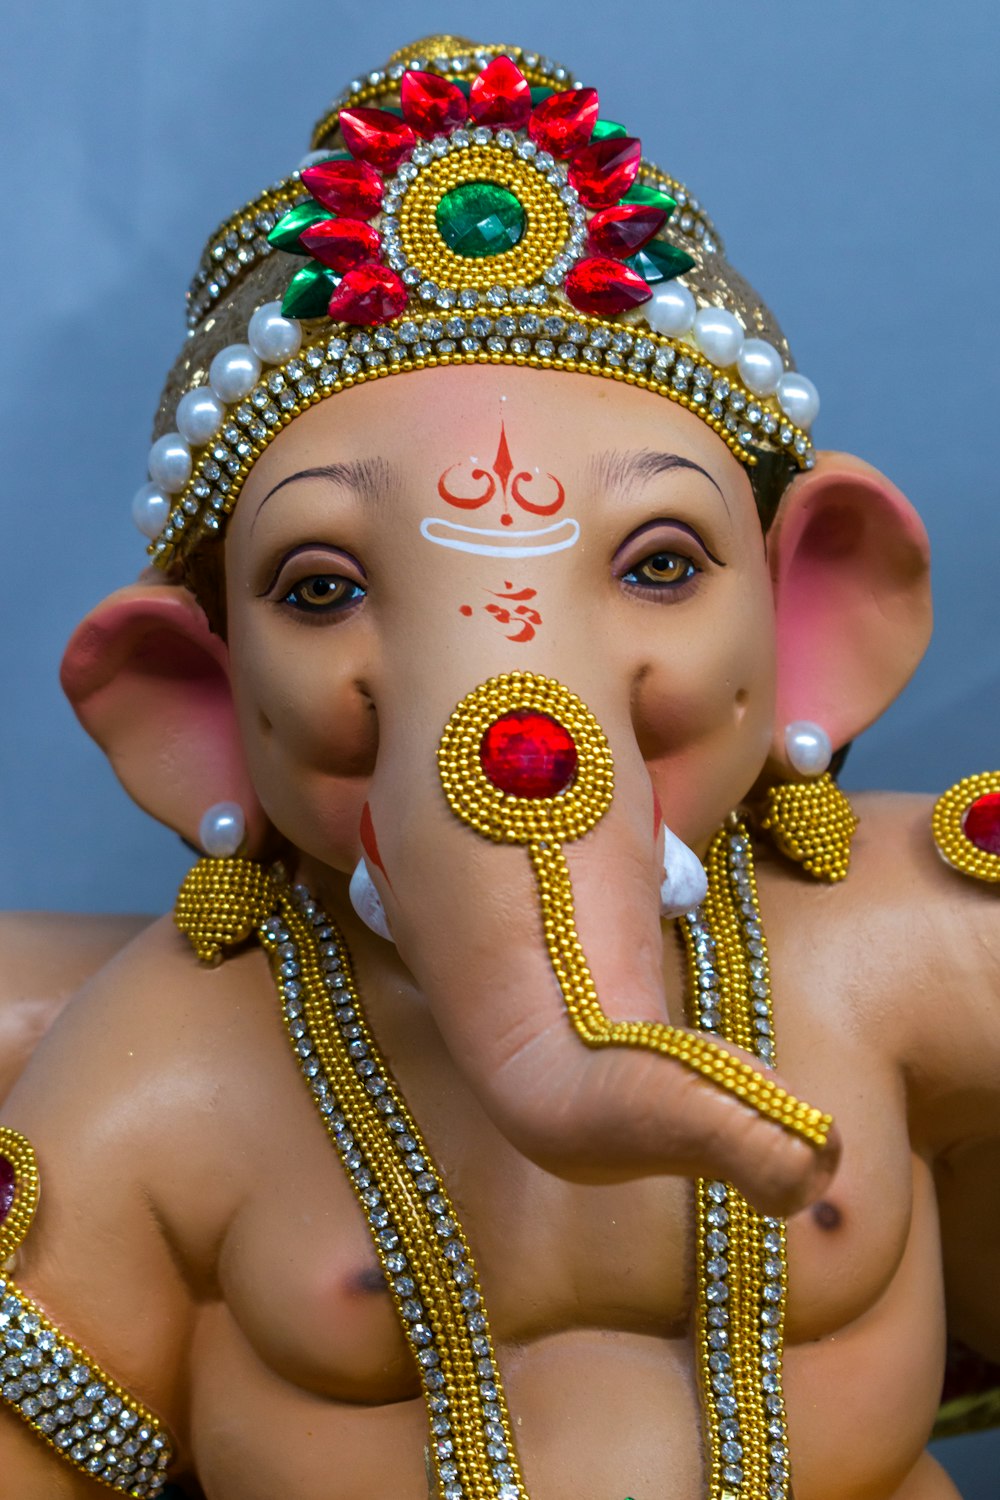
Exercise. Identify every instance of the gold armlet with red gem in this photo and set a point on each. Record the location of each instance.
(53, 1384)
(966, 826)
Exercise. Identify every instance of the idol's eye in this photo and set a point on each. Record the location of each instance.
(324, 593)
(661, 570)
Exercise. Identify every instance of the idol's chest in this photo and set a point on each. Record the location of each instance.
(301, 1276)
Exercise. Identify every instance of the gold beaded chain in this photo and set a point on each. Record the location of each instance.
(425, 1253)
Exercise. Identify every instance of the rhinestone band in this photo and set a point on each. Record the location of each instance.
(741, 1255)
(518, 337)
(420, 1245)
(54, 1385)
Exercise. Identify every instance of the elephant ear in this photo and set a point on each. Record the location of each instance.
(850, 562)
(150, 683)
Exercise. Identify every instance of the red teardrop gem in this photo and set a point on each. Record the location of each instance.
(528, 754)
(604, 287)
(621, 231)
(368, 295)
(981, 823)
(346, 187)
(500, 96)
(376, 137)
(604, 172)
(342, 243)
(432, 105)
(564, 123)
(8, 1186)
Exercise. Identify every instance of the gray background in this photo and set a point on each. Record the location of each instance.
(847, 152)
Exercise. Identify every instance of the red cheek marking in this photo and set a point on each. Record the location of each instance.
(369, 843)
(465, 609)
(657, 814)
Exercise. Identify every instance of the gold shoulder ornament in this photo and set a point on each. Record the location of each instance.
(966, 826)
(53, 1384)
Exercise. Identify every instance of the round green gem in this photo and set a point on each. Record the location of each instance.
(480, 219)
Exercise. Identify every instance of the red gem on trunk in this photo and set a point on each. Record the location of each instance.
(346, 187)
(564, 123)
(621, 231)
(528, 754)
(500, 96)
(8, 1186)
(604, 287)
(368, 295)
(604, 172)
(342, 243)
(376, 137)
(432, 105)
(981, 823)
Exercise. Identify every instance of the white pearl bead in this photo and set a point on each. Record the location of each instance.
(273, 338)
(170, 462)
(222, 829)
(670, 310)
(199, 415)
(808, 746)
(799, 398)
(150, 509)
(719, 335)
(760, 366)
(234, 372)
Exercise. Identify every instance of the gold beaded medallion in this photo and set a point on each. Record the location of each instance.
(966, 823)
(546, 231)
(544, 823)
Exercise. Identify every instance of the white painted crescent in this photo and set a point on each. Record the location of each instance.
(558, 537)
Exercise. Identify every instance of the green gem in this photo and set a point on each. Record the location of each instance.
(605, 130)
(650, 196)
(285, 234)
(309, 292)
(479, 219)
(659, 261)
(539, 95)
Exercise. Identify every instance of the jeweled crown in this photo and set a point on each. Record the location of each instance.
(463, 204)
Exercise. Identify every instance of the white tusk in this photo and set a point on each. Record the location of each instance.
(367, 902)
(685, 884)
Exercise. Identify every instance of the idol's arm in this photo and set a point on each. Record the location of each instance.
(45, 957)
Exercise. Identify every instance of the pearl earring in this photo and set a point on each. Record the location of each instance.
(685, 883)
(367, 902)
(222, 830)
(808, 747)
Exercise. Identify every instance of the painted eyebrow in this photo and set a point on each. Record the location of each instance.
(613, 470)
(370, 478)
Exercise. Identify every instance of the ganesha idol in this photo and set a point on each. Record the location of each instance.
(548, 1083)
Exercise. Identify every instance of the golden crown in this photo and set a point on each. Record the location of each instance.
(464, 204)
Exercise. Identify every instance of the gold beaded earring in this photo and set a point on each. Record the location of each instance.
(223, 899)
(811, 821)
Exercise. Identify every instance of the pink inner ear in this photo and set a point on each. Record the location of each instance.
(850, 561)
(150, 683)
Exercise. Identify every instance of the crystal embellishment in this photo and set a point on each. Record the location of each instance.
(480, 218)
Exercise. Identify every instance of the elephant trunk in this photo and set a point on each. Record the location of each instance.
(466, 915)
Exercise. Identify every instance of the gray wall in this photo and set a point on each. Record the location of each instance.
(847, 152)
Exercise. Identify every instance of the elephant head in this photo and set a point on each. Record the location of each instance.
(396, 548)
